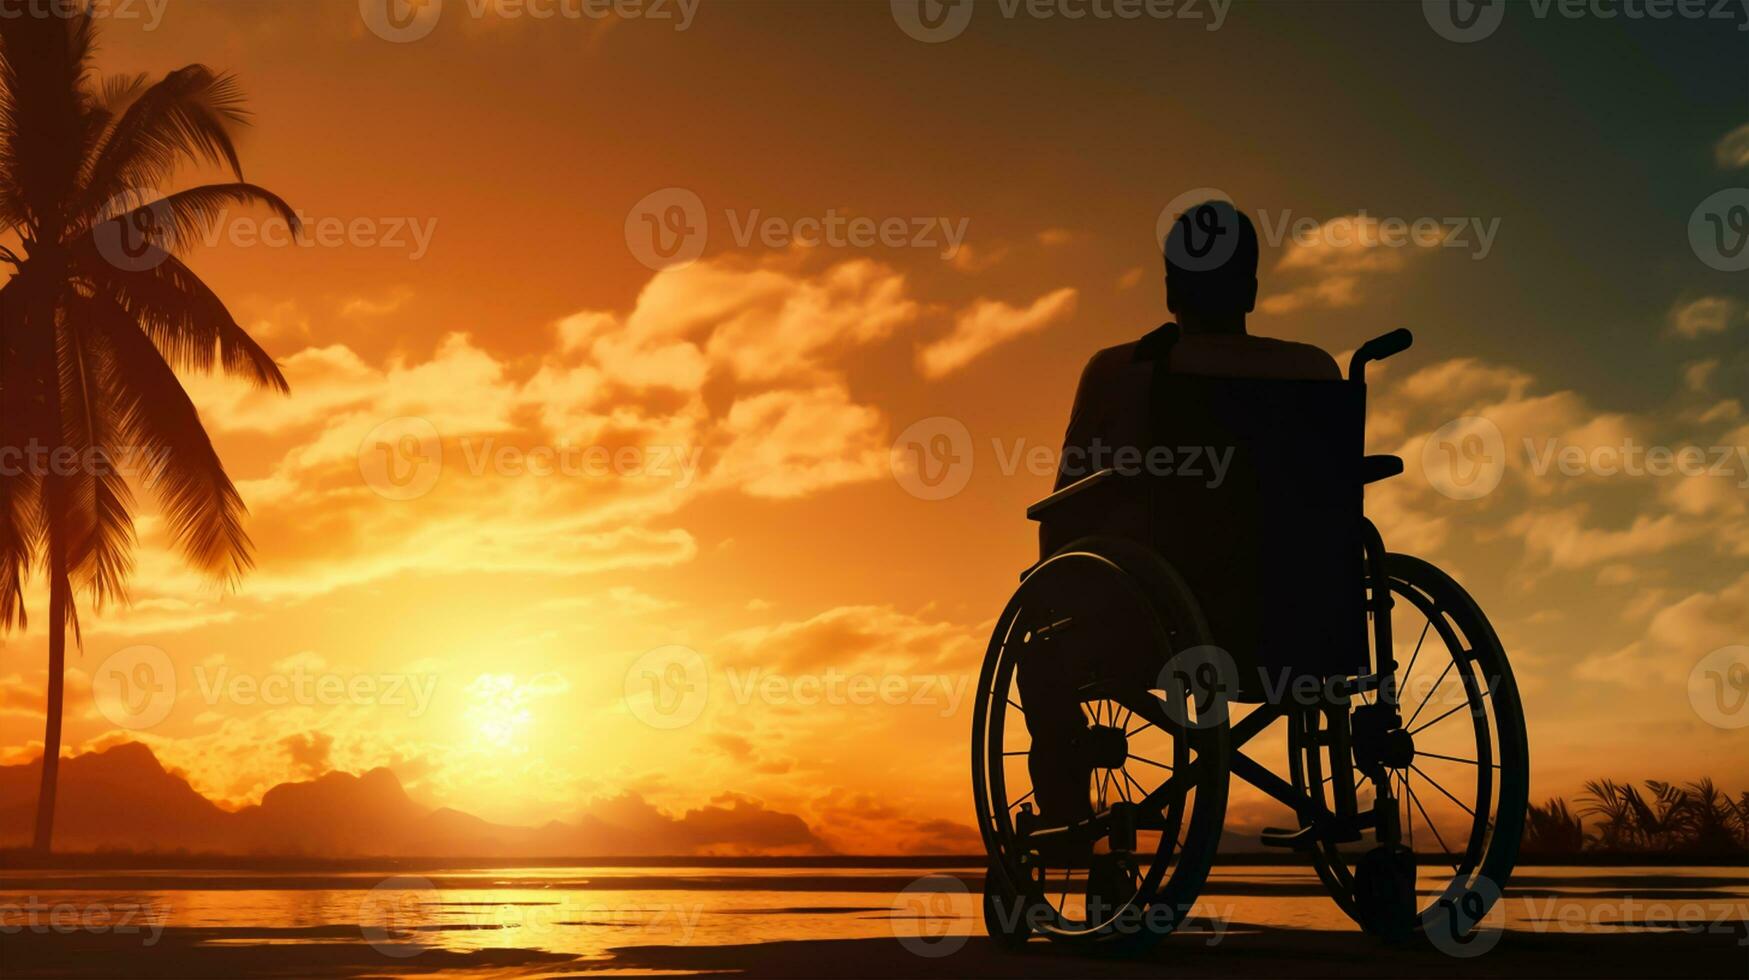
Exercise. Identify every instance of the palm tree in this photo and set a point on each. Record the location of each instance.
(91, 337)
(1552, 829)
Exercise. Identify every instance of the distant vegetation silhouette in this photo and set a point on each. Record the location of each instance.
(1696, 819)
(98, 316)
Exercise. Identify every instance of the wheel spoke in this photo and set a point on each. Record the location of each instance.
(1021, 800)
(1144, 726)
(1442, 789)
(1417, 654)
(1430, 825)
(1453, 758)
(1430, 691)
(1019, 752)
(1441, 718)
(1132, 781)
(1151, 762)
(1016, 704)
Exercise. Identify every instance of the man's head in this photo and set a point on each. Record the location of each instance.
(1211, 262)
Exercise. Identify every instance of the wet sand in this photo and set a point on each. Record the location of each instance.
(1244, 950)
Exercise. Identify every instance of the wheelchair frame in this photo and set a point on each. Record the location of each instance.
(1361, 738)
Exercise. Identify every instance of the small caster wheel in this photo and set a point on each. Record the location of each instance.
(1384, 892)
(1004, 911)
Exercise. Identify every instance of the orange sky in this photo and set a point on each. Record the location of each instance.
(481, 183)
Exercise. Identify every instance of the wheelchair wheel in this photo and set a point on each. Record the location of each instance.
(1461, 777)
(1119, 864)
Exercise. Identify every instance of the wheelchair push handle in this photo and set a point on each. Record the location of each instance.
(1377, 349)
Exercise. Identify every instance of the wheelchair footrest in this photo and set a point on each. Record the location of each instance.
(1305, 838)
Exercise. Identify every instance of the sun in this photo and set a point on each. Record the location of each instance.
(499, 712)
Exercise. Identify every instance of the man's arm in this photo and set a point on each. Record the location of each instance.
(1085, 418)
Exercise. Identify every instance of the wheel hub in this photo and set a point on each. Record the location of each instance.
(1379, 738)
(1106, 746)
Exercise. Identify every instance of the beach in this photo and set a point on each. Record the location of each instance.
(806, 922)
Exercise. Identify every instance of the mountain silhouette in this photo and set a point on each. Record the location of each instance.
(123, 799)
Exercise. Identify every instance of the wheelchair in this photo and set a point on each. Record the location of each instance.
(1173, 621)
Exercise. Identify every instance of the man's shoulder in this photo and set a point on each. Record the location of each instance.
(1305, 360)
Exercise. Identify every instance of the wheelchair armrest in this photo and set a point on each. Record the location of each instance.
(1079, 491)
(1376, 468)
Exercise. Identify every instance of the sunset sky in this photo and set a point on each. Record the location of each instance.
(485, 187)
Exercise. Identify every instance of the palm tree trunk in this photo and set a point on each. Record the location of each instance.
(58, 596)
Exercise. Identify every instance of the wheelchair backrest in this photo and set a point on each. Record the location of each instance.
(1270, 541)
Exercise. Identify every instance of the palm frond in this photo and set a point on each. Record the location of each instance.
(25, 361)
(95, 509)
(186, 320)
(44, 68)
(201, 507)
(175, 222)
(190, 115)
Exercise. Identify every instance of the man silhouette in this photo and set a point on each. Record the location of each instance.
(1211, 286)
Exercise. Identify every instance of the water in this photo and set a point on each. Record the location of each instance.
(587, 912)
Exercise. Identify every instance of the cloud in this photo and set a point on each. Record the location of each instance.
(1339, 255)
(788, 444)
(847, 636)
(1564, 540)
(987, 324)
(1678, 634)
(1732, 153)
(1708, 315)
